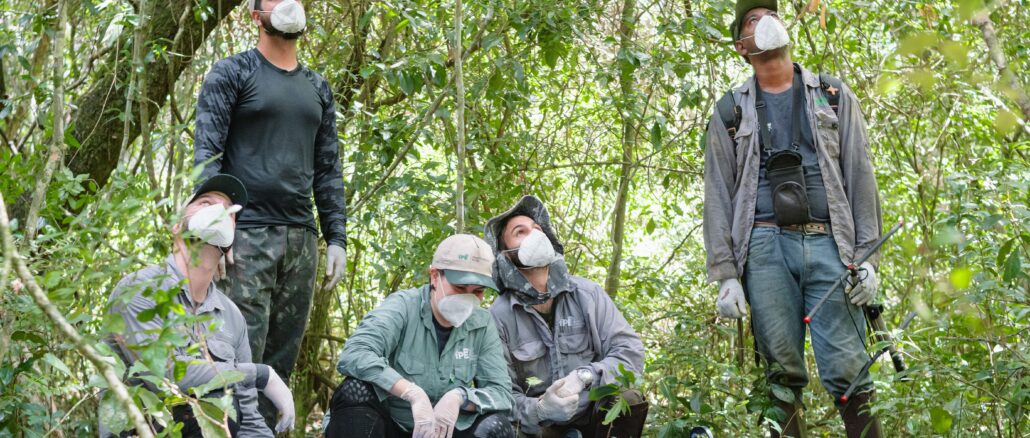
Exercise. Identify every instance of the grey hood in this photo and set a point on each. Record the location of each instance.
(506, 275)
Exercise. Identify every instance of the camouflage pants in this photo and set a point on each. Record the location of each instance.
(272, 282)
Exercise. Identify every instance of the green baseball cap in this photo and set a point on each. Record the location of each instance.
(745, 6)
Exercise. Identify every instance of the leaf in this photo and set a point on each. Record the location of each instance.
(57, 364)
(221, 380)
(533, 381)
(961, 277)
(179, 370)
(620, 406)
(210, 419)
(656, 135)
(603, 391)
(1013, 267)
(28, 336)
(783, 393)
(112, 414)
(941, 419)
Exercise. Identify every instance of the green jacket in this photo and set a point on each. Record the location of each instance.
(397, 339)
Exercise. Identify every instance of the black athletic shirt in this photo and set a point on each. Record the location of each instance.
(275, 130)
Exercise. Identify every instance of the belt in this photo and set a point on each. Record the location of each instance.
(809, 228)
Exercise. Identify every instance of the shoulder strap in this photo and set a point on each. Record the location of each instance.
(729, 111)
(831, 87)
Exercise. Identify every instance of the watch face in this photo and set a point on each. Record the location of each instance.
(586, 376)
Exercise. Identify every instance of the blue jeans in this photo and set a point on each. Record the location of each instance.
(787, 272)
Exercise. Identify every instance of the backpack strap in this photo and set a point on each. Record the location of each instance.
(729, 111)
(831, 87)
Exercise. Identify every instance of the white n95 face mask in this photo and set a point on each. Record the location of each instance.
(536, 250)
(213, 226)
(288, 17)
(457, 308)
(769, 34)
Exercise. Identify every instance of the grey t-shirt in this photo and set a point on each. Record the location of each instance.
(780, 117)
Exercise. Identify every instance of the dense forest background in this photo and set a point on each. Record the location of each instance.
(597, 107)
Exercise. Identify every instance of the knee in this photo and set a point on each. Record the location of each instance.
(354, 392)
(355, 422)
(495, 425)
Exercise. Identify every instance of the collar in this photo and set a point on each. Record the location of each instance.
(214, 297)
(558, 282)
(810, 79)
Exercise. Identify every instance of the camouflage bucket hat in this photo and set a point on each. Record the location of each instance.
(529, 206)
(745, 6)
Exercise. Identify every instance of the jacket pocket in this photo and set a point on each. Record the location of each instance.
(827, 124)
(221, 351)
(530, 361)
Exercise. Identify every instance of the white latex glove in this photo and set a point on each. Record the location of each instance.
(224, 261)
(863, 290)
(731, 302)
(446, 413)
(335, 264)
(554, 407)
(277, 391)
(421, 411)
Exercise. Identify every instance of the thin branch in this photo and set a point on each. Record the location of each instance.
(57, 113)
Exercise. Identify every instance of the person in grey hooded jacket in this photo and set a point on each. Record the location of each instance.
(562, 334)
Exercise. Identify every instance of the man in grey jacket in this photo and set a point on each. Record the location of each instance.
(215, 329)
(790, 202)
(562, 334)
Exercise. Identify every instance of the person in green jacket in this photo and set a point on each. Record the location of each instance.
(428, 362)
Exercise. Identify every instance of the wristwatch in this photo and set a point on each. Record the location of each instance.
(586, 376)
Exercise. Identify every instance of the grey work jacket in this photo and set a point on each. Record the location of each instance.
(731, 178)
(589, 332)
(227, 344)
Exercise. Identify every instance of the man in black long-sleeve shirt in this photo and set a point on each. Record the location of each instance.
(271, 122)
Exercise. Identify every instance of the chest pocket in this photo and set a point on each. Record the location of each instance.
(464, 363)
(221, 350)
(826, 123)
(531, 361)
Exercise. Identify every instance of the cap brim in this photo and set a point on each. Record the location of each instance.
(228, 184)
(464, 277)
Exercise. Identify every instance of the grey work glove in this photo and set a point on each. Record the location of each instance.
(421, 411)
(572, 384)
(445, 414)
(335, 264)
(277, 391)
(731, 302)
(863, 290)
(553, 406)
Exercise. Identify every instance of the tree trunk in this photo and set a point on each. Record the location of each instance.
(459, 121)
(97, 125)
(629, 141)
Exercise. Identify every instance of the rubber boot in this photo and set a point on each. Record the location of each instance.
(793, 424)
(858, 422)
